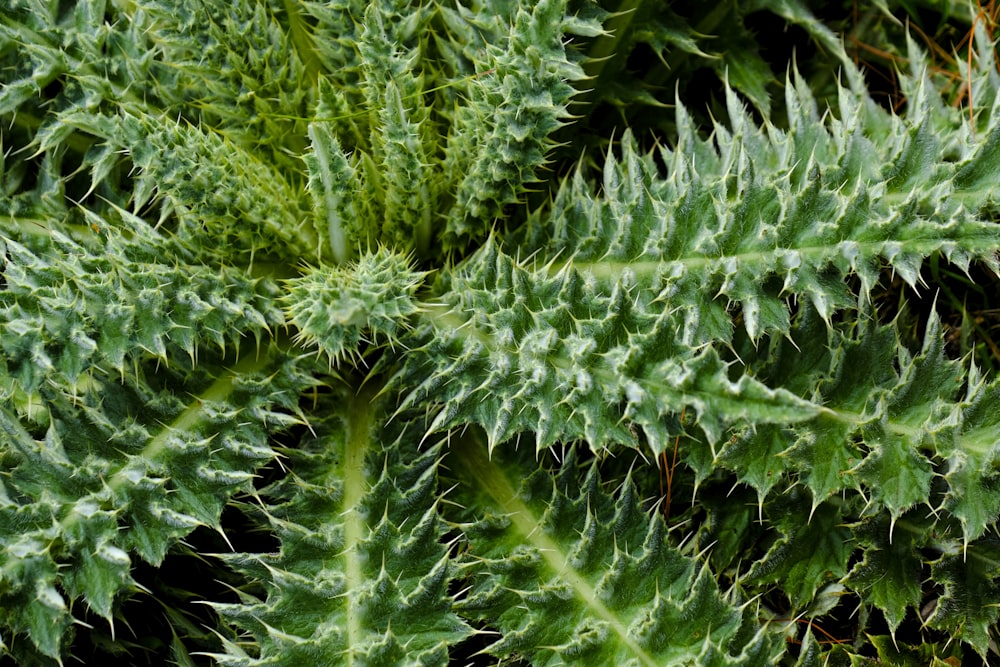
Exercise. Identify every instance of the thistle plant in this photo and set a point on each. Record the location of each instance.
(297, 301)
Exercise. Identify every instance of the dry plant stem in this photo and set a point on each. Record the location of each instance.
(667, 472)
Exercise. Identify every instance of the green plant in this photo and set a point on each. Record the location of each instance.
(282, 335)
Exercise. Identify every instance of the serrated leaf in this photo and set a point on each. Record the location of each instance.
(571, 572)
(893, 652)
(758, 456)
(514, 350)
(362, 574)
(898, 476)
(967, 609)
(763, 205)
(974, 487)
(804, 557)
(122, 445)
(336, 308)
(196, 195)
(889, 573)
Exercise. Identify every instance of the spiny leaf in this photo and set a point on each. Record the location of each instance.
(885, 423)
(209, 184)
(499, 141)
(761, 214)
(334, 308)
(362, 575)
(112, 300)
(515, 349)
(807, 556)
(890, 572)
(570, 572)
(972, 460)
(123, 469)
(968, 609)
(184, 184)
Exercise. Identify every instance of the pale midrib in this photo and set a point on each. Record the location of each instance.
(448, 320)
(359, 428)
(482, 473)
(866, 250)
(186, 421)
(189, 418)
(458, 324)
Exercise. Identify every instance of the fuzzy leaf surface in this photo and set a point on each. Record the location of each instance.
(362, 573)
(573, 573)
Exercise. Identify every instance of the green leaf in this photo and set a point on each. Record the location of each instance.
(898, 476)
(967, 608)
(800, 209)
(362, 574)
(209, 184)
(514, 349)
(336, 308)
(117, 302)
(804, 556)
(758, 457)
(889, 573)
(973, 464)
(979, 173)
(571, 572)
(301, 277)
(501, 138)
(892, 652)
(331, 176)
(164, 467)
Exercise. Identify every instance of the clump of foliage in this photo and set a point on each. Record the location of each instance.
(315, 353)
